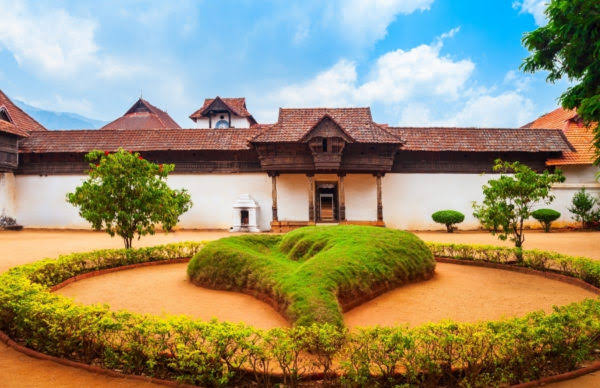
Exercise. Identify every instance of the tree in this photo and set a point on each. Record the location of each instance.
(569, 45)
(582, 208)
(509, 200)
(128, 195)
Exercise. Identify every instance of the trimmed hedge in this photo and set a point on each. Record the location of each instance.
(224, 354)
(546, 217)
(448, 218)
(309, 271)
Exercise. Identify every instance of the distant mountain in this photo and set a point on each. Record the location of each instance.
(59, 120)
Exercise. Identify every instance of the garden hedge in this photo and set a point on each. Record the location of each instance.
(225, 354)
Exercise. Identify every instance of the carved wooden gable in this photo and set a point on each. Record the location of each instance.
(326, 141)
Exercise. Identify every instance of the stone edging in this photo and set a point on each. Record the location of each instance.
(112, 373)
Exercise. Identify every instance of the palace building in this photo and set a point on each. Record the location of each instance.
(314, 165)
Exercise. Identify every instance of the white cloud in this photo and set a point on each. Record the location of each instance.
(396, 76)
(53, 42)
(508, 109)
(420, 86)
(367, 20)
(534, 7)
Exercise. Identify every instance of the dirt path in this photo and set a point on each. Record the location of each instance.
(465, 293)
(171, 293)
(18, 370)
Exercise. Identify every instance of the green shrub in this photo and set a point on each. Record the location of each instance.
(546, 217)
(307, 270)
(225, 354)
(582, 208)
(448, 218)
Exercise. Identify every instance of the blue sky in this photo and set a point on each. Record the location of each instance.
(415, 62)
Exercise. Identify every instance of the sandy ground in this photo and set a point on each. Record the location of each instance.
(465, 293)
(449, 295)
(17, 370)
(171, 293)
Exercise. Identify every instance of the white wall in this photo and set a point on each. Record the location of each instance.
(41, 199)
(7, 194)
(410, 199)
(292, 197)
(577, 177)
(361, 197)
(236, 121)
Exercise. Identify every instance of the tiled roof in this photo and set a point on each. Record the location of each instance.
(8, 127)
(237, 105)
(481, 139)
(18, 117)
(143, 115)
(580, 136)
(294, 123)
(138, 140)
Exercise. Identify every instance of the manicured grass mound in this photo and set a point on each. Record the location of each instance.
(310, 273)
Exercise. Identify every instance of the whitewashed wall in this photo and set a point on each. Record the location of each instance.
(410, 199)
(292, 197)
(578, 177)
(41, 199)
(361, 197)
(7, 194)
(236, 121)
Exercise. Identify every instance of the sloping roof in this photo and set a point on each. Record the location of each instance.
(294, 123)
(18, 117)
(579, 135)
(237, 105)
(482, 139)
(8, 127)
(80, 141)
(143, 115)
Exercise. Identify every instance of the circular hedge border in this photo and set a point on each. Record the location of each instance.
(184, 350)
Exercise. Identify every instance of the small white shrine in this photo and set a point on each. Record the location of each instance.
(244, 214)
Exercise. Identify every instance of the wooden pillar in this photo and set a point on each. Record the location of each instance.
(379, 201)
(342, 197)
(274, 194)
(311, 197)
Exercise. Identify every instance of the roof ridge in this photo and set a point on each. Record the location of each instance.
(22, 111)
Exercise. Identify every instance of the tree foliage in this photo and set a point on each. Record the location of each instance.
(569, 46)
(546, 217)
(582, 208)
(448, 218)
(126, 195)
(509, 200)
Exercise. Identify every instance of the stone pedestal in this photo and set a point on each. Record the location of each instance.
(244, 215)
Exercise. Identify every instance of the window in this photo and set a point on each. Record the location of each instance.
(4, 115)
(222, 124)
(324, 145)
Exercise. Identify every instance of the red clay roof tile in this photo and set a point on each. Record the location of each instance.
(294, 123)
(80, 141)
(143, 115)
(579, 135)
(18, 117)
(482, 139)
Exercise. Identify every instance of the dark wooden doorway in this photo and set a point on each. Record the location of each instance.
(326, 200)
